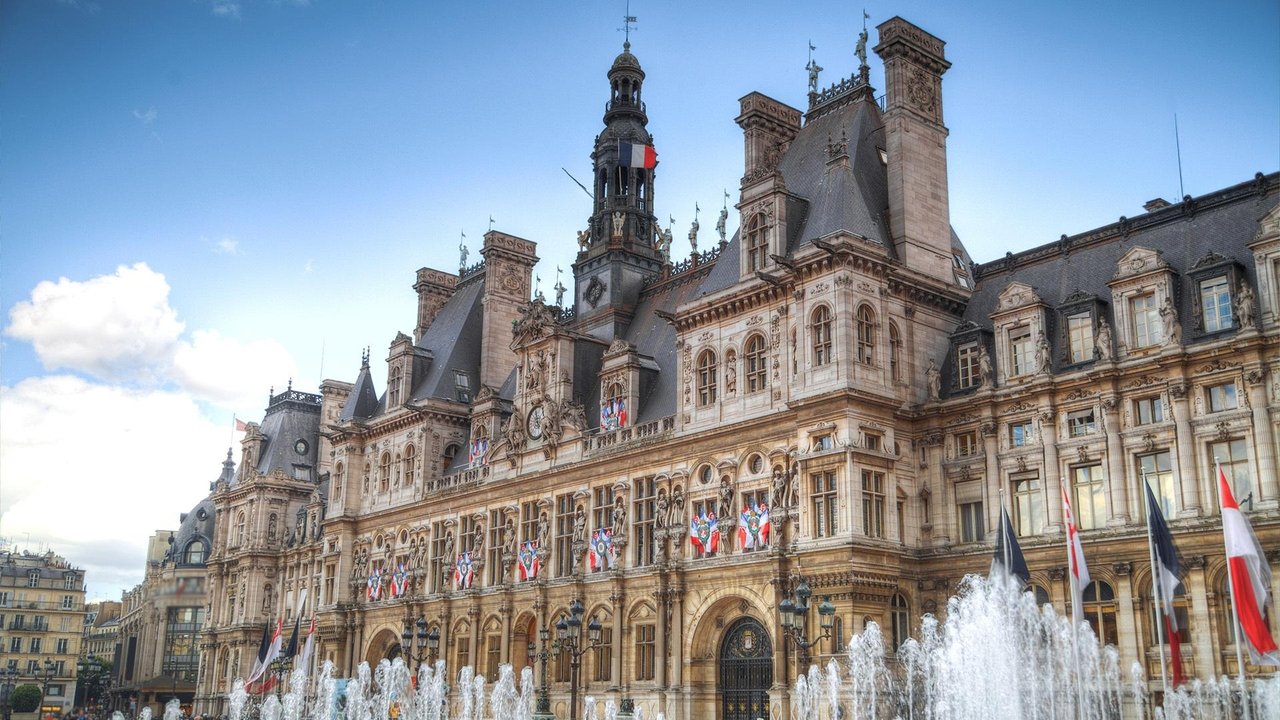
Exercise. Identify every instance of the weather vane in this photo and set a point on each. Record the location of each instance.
(490, 223)
(627, 21)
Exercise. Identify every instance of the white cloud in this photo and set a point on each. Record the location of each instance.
(309, 267)
(92, 470)
(118, 327)
(223, 8)
(228, 371)
(148, 117)
(227, 246)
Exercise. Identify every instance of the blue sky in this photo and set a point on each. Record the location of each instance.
(200, 199)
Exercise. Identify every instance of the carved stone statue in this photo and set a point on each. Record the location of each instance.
(1244, 305)
(813, 68)
(448, 546)
(618, 219)
(721, 223)
(861, 48)
(693, 235)
(544, 528)
(730, 373)
(779, 487)
(477, 541)
(580, 525)
(1043, 358)
(662, 507)
(934, 378)
(664, 244)
(584, 239)
(725, 508)
(1102, 341)
(619, 515)
(462, 253)
(676, 518)
(509, 536)
(1172, 326)
(560, 288)
(986, 374)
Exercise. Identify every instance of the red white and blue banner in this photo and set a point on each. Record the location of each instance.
(400, 582)
(1250, 578)
(704, 532)
(527, 560)
(613, 414)
(1165, 580)
(753, 527)
(479, 448)
(601, 554)
(464, 572)
(637, 156)
(373, 589)
(1075, 559)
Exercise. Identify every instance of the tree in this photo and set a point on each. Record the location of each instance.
(25, 698)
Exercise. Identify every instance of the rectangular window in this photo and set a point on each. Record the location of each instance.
(873, 503)
(603, 659)
(1080, 337)
(181, 652)
(33, 579)
(967, 365)
(1081, 423)
(1020, 433)
(494, 568)
(15, 645)
(1222, 397)
(708, 507)
(967, 443)
(4, 599)
(1021, 350)
(1148, 410)
(69, 582)
(61, 646)
(1157, 470)
(1146, 320)
(35, 645)
(646, 636)
(1215, 304)
(493, 656)
(823, 442)
(822, 494)
(438, 561)
(1090, 502)
(528, 522)
(1028, 505)
(971, 522)
(602, 507)
(642, 517)
(564, 536)
(1233, 456)
(462, 386)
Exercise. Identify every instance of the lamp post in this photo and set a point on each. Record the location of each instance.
(795, 614)
(428, 642)
(543, 708)
(8, 676)
(45, 676)
(569, 640)
(88, 676)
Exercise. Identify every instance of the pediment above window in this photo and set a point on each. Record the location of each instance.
(1139, 261)
(1017, 295)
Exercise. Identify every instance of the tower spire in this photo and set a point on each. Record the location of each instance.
(627, 21)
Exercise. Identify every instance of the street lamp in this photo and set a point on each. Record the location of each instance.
(428, 642)
(544, 697)
(795, 614)
(568, 640)
(45, 676)
(8, 676)
(88, 677)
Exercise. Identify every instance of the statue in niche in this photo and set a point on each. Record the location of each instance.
(662, 506)
(544, 527)
(676, 519)
(725, 508)
(271, 528)
(934, 378)
(1244, 305)
(1043, 359)
(477, 540)
(730, 373)
(268, 599)
(448, 546)
(509, 536)
(619, 515)
(580, 525)
(1102, 341)
(1169, 318)
(618, 220)
(986, 374)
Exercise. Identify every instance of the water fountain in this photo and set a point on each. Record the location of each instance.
(997, 655)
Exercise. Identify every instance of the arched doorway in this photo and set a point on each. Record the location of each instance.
(746, 671)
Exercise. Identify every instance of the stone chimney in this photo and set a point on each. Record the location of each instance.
(434, 289)
(508, 268)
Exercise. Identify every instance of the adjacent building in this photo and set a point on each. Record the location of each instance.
(41, 621)
(834, 394)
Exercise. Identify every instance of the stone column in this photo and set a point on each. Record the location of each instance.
(1198, 616)
(941, 502)
(473, 648)
(677, 636)
(505, 611)
(1264, 443)
(1052, 470)
(618, 599)
(1128, 608)
(663, 596)
(1117, 479)
(1186, 470)
(992, 470)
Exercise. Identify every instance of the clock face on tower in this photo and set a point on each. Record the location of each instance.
(534, 425)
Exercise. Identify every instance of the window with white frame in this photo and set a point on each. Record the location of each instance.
(967, 365)
(1090, 501)
(822, 495)
(971, 521)
(966, 443)
(1028, 504)
(707, 376)
(1233, 456)
(1156, 469)
(1021, 351)
(1081, 423)
(1080, 337)
(820, 332)
(1145, 316)
(755, 363)
(1215, 304)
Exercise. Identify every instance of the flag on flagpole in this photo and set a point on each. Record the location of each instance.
(1075, 558)
(1250, 578)
(291, 649)
(1166, 579)
(640, 156)
(241, 425)
(1008, 560)
(309, 647)
(258, 665)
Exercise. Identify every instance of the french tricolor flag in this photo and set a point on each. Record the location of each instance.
(1250, 578)
(640, 156)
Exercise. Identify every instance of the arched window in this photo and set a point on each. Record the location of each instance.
(240, 525)
(895, 352)
(901, 620)
(410, 463)
(613, 409)
(384, 472)
(757, 243)
(394, 379)
(339, 479)
(706, 378)
(755, 363)
(820, 331)
(1100, 611)
(866, 335)
(1042, 595)
(450, 452)
(195, 553)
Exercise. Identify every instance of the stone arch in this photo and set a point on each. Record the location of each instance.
(716, 613)
(384, 643)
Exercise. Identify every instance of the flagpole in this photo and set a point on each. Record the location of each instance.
(1235, 612)
(1157, 605)
(1076, 611)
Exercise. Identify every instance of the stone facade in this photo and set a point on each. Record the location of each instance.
(838, 361)
(42, 615)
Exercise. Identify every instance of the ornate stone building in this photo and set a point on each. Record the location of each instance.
(41, 617)
(839, 362)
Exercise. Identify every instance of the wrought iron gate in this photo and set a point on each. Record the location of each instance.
(746, 671)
